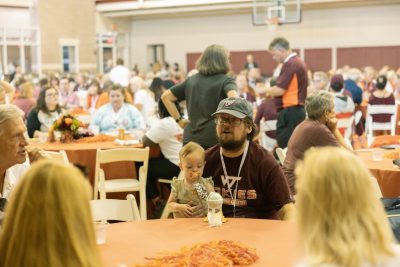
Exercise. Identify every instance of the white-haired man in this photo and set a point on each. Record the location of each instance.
(13, 155)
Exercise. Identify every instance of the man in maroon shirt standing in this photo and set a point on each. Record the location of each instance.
(290, 90)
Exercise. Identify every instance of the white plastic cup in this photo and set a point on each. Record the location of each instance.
(101, 232)
(57, 136)
(43, 138)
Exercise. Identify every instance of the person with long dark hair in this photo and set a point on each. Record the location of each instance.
(47, 110)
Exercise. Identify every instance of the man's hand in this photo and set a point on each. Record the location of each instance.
(35, 154)
(331, 124)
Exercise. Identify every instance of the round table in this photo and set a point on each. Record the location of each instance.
(85, 154)
(388, 176)
(129, 243)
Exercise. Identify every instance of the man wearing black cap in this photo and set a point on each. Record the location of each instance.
(247, 176)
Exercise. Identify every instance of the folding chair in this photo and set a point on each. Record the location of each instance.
(267, 142)
(56, 155)
(102, 185)
(115, 209)
(371, 126)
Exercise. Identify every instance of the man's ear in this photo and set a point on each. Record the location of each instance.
(249, 129)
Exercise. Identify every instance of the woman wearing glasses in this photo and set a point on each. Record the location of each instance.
(45, 113)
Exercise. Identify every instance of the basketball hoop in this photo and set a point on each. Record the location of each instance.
(272, 23)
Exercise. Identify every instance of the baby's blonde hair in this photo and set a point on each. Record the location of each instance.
(190, 148)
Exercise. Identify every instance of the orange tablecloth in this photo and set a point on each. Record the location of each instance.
(387, 175)
(85, 154)
(129, 243)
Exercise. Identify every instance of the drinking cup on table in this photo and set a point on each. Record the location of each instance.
(121, 133)
(43, 138)
(377, 155)
(57, 136)
(101, 232)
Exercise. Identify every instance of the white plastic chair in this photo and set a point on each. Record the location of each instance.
(281, 153)
(267, 142)
(115, 209)
(102, 185)
(371, 126)
(347, 124)
(56, 155)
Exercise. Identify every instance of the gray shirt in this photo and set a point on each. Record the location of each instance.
(202, 94)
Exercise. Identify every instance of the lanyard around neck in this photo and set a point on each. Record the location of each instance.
(233, 196)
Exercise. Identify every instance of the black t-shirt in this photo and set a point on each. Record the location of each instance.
(202, 94)
(262, 190)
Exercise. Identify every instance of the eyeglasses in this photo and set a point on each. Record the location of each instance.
(52, 95)
(231, 121)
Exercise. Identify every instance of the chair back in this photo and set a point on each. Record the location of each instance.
(56, 155)
(281, 153)
(347, 125)
(381, 109)
(102, 185)
(266, 141)
(115, 209)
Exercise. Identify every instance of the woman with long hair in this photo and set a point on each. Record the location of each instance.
(341, 221)
(47, 110)
(48, 220)
(202, 91)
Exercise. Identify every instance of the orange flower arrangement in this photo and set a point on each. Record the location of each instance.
(68, 125)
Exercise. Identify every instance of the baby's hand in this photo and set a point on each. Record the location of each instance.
(198, 210)
(185, 209)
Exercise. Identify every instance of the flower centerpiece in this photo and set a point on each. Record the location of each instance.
(68, 126)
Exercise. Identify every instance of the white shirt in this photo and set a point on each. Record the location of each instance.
(146, 99)
(164, 134)
(120, 75)
(12, 176)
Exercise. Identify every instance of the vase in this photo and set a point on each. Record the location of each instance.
(66, 137)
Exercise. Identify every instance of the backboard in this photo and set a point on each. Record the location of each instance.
(278, 12)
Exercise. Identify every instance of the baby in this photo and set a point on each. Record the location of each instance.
(188, 196)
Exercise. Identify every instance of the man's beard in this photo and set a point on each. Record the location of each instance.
(232, 145)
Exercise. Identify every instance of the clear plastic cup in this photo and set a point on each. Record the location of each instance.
(101, 232)
(43, 138)
(377, 155)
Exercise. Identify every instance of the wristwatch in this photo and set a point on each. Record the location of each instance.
(178, 119)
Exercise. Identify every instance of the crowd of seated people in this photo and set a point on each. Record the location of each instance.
(133, 100)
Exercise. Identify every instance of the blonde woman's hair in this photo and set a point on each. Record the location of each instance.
(190, 148)
(214, 60)
(27, 90)
(340, 219)
(48, 220)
